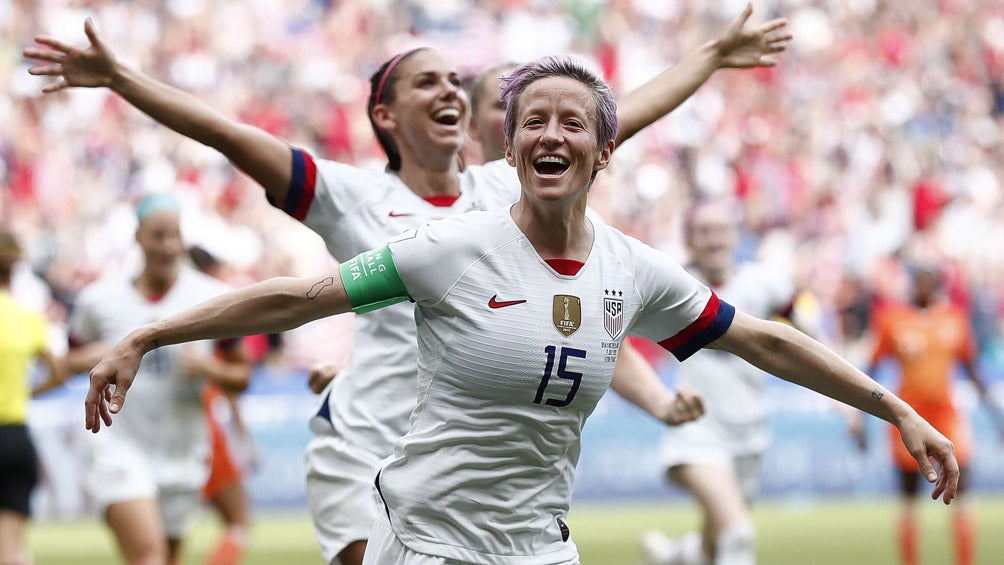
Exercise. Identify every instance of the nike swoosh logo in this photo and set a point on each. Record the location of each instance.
(400, 214)
(492, 303)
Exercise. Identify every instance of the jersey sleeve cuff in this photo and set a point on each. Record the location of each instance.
(709, 326)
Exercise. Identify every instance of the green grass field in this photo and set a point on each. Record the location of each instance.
(805, 533)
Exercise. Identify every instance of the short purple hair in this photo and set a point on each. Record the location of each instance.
(560, 66)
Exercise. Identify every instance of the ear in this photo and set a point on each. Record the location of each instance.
(509, 157)
(384, 117)
(603, 158)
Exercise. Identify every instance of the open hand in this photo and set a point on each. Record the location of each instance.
(91, 66)
(739, 47)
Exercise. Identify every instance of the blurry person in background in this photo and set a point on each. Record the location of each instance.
(717, 459)
(929, 338)
(488, 113)
(146, 474)
(420, 115)
(22, 339)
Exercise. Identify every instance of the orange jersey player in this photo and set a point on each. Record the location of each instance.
(927, 338)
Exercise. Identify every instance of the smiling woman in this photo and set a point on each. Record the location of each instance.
(420, 117)
(485, 473)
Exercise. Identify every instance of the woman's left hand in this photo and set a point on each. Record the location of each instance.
(686, 406)
(741, 48)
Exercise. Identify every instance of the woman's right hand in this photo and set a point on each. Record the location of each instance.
(92, 66)
(927, 444)
(110, 381)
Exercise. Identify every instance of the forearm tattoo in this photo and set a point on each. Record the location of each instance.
(319, 286)
(877, 395)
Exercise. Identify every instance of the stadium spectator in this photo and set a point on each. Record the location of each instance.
(717, 459)
(146, 474)
(581, 284)
(929, 338)
(419, 115)
(22, 338)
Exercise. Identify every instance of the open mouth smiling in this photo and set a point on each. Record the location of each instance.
(447, 116)
(550, 166)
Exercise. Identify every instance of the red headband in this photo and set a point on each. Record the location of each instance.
(386, 73)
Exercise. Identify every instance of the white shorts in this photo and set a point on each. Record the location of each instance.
(118, 472)
(384, 547)
(705, 443)
(341, 493)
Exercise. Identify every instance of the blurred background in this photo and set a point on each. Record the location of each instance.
(878, 139)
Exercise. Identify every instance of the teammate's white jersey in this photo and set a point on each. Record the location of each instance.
(513, 357)
(732, 389)
(355, 210)
(164, 419)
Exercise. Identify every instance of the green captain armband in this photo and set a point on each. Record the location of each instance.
(371, 281)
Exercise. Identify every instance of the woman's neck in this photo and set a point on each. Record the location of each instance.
(555, 231)
(428, 181)
(716, 277)
(151, 285)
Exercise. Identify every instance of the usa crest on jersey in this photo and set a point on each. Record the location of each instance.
(613, 316)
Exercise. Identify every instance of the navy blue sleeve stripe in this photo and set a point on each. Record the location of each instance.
(723, 319)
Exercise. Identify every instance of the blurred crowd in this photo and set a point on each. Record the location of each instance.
(875, 144)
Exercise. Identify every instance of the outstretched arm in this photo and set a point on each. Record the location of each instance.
(262, 156)
(270, 306)
(635, 381)
(737, 47)
(788, 353)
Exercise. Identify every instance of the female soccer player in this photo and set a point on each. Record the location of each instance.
(717, 459)
(145, 474)
(420, 115)
(520, 312)
(22, 338)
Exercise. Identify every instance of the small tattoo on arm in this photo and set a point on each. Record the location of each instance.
(319, 286)
(877, 395)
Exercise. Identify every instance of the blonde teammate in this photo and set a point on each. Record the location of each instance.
(145, 474)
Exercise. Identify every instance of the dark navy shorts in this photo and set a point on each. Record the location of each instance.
(18, 468)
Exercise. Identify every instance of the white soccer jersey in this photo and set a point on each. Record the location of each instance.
(355, 210)
(732, 389)
(513, 357)
(163, 417)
